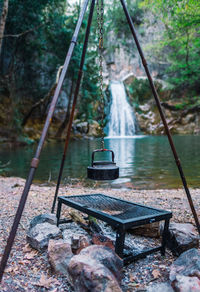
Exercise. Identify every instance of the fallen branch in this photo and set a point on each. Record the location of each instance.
(170, 107)
(5, 165)
(22, 33)
(43, 100)
(79, 219)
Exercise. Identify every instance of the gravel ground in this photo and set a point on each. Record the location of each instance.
(29, 270)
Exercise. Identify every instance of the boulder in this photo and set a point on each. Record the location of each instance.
(87, 274)
(186, 284)
(59, 254)
(181, 237)
(94, 129)
(188, 264)
(106, 257)
(188, 119)
(145, 107)
(38, 236)
(49, 218)
(82, 127)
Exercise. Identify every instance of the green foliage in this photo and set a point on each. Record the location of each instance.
(26, 57)
(140, 92)
(181, 40)
(32, 59)
(117, 31)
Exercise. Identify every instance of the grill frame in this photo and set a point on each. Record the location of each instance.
(120, 224)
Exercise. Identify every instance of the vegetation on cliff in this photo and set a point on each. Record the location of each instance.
(38, 33)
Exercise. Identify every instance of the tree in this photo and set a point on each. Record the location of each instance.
(38, 34)
(3, 21)
(181, 40)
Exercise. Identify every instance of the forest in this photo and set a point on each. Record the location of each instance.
(34, 39)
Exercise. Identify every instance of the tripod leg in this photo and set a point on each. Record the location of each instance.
(80, 73)
(35, 160)
(155, 94)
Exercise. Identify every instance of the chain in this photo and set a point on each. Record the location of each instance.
(100, 10)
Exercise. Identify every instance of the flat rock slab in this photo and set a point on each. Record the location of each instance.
(48, 217)
(38, 236)
(181, 237)
(59, 254)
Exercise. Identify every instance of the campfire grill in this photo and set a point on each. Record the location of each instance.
(121, 215)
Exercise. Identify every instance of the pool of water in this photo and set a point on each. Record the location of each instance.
(146, 162)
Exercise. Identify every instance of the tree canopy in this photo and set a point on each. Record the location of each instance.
(38, 33)
(181, 38)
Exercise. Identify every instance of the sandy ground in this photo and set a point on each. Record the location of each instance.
(29, 270)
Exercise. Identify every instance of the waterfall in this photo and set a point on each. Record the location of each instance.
(122, 119)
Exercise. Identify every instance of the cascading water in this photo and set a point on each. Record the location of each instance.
(122, 120)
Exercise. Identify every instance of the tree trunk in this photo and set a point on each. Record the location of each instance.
(66, 120)
(43, 100)
(3, 21)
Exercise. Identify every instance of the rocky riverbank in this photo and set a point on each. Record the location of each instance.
(29, 270)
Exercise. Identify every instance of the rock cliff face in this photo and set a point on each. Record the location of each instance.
(180, 122)
(124, 64)
(125, 60)
(184, 120)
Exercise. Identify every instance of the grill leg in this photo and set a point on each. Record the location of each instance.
(164, 236)
(119, 243)
(58, 211)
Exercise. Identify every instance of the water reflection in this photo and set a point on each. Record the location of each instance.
(145, 161)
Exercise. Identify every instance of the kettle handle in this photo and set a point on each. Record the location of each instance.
(102, 150)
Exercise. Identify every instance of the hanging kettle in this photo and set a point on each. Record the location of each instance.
(103, 170)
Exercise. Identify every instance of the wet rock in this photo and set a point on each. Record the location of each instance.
(82, 127)
(87, 274)
(188, 264)
(100, 239)
(59, 254)
(145, 108)
(106, 257)
(49, 218)
(181, 237)
(78, 242)
(160, 287)
(93, 129)
(186, 284)
(38, 236)
(149, 230)
(188, 119)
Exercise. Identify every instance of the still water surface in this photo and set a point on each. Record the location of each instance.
(145, 162)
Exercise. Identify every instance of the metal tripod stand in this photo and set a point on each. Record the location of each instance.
(35, 160)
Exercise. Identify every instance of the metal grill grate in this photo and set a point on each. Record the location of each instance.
(120, 214)
(112, 206)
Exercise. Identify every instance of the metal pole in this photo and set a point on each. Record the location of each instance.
(80, 73)
(35, 160)
(155, 94)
